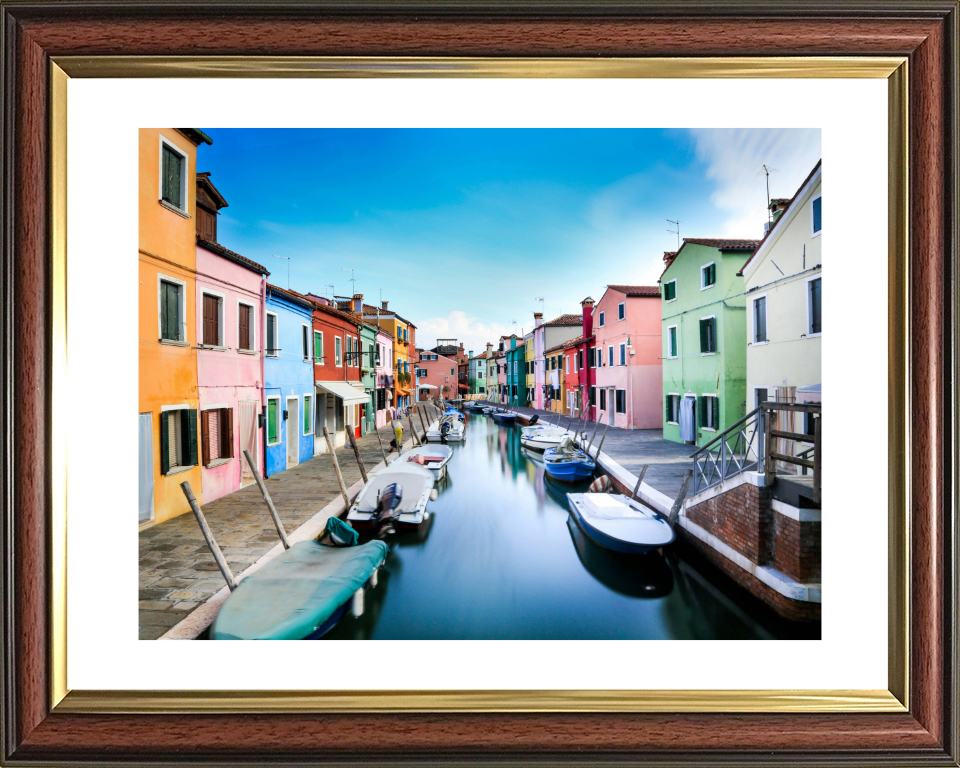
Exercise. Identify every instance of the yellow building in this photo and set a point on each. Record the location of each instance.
(529, 357)
(404, 350)
(168, 397)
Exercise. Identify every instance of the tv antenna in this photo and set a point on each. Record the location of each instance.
(353, 282)
(288, 268)
(330, 286)
(675, 231)
(767, 170)
(540, 299)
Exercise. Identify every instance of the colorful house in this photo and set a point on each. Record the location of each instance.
(554, 390)
(539, 363)
(230, 297)
(550, 335)
(704, 340)
(516, 372)
(581, 384)
(168, 400)
(491, 374)
(404, 339)
(383, 372)
(438, 375)
(289, 397)
(784, 314)
(478, 373)
(629, 376)
(526, 393)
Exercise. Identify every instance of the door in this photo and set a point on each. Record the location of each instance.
(612, 406)
(688, 420)
(248, 439)
(293, 431)
(146, 467)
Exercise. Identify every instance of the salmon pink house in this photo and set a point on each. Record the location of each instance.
(629, 374)
(230, 300)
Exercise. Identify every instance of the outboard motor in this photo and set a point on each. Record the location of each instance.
(387, 513)
(534, 419)
(444, 431)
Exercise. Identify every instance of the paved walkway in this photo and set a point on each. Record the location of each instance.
(632, 448)
(177, 571)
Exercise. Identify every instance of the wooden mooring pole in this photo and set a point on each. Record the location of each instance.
(636, 489)
(413, 429)
(336, 468)
(422, 424)
(602, 438)
(356, 452)
(593, 436)
(266, 497)
(208, 535)
(380, 440)
(678, 502)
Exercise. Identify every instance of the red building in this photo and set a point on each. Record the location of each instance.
(581, 378)
(438, 374)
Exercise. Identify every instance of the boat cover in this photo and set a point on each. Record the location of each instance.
(296, 592)
(343, 534)
(567, 450)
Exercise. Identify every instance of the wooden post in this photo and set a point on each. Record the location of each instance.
(356, 452)
(211, 541)
(422, 424)
(769, 465)
(816, 458)
(413, 430)
(636, 489)
(678, 502)
(594, 435)
(266, 497)
(600, 447)
(380, 440)
(336, 468)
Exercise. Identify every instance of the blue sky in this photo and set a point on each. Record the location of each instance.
(464, 230)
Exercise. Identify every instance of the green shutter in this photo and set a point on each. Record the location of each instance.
(190, 449)
(164, 443)
(703, 335)
(716, 412)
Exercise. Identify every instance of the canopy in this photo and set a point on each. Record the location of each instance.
(426, 386)
(344, 391)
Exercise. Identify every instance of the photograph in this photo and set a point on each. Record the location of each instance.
(480, 384)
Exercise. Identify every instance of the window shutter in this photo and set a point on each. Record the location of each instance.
(703, 335)
(164, 443)
(244, 327)
(226, 433)
(205, 436)
(716, 413)
(210, 313)
(191, 447)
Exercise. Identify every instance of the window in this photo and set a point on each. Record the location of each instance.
(760, 320)
(593, 395)
(672, 346)
(216, 435)
(813, 307)
(817, 215)
(273, 346)
(381, 399)
(338, 351)
(452, 372)
(566, 365)
(809, 428)
(759, 396)
(621, 310)
(173, 176)
(623, 354)
(305, 341)
(307, 414)
(673, 408)
(708, 335)
(603, 399)
(710, 412)
(601, 319)
(318, 347)
(610, 355)
(178, 439)
(212, 320)
(172, 299)
(245, 329)
(708, 275)
(377, 355)
(273, 421)
(621, 405)
(670, 291)
(580, 359)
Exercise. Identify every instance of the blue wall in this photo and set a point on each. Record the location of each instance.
(288, 375)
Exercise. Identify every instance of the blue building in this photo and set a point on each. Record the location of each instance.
(288, 380)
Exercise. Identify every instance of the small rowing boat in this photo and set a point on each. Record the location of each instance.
(619, 523)
(432, 457)
(567, 462)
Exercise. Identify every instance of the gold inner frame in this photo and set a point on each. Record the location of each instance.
(895, 699)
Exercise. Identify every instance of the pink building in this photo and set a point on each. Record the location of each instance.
(629, 376)
(230, 300)
(437, 372)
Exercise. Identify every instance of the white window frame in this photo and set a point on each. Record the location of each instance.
(715, 414)
(609, 355)
(753, 314)
(253, 327)
(714, 318)
(665, 299)
(316, 359)
(593, 358)
(221, 344)
(811, 335)
(622, 349)
(677, 335)
(566, 364)
(338, 351)
(703, 268)
(266, 423)
(621, 310)
(615, 411)
(677, 410)
(184, 184)
(602, 317)
(312, 409)
(814, 233)
(306, 335)
(182, 341)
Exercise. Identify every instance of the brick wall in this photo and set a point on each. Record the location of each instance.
(741, 519)
(796, 549)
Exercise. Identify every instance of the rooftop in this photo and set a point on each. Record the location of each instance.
(647, 291)
(566, 320)
(232, 255)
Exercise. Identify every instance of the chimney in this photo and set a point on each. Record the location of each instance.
(383, 306)
(537, 319)
(358, 303)
(470, 355)
(587, 305)
(489, 349)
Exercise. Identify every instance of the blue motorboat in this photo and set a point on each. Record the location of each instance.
(504, 417)
(567, 462)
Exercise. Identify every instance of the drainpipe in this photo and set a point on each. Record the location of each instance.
(263, 370)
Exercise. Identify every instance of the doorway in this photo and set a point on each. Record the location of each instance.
(293, 431)
(146, 467)
(248, 439)
(611, 403)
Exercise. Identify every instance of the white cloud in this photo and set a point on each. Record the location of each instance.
(734, 157)
(462, 327)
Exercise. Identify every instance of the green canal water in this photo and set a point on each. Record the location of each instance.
(501, 558)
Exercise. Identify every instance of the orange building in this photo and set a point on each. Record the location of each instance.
(168, 394)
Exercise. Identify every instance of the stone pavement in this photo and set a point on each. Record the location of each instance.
(632, 448)
(177, 571)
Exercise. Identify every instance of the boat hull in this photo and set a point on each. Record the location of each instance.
(536, 443)
(570, 471)
(636, 537)
(505, 418)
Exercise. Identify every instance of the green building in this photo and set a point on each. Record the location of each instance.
(368, 355)
(704, 327)
(517, 374)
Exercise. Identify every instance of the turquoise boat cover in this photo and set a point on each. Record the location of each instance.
(296, 592)
(343, 534)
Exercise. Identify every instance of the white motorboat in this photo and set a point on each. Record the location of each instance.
(540, 440)
(414, 485)
(620, 523)
(432, 457)
(448, 429)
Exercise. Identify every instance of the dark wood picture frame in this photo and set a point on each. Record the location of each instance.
(34, 33)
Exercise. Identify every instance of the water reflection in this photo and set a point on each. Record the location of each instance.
(501, 558)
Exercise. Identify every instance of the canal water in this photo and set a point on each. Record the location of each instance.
(501, 558)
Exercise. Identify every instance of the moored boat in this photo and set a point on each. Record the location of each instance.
(541, 440)
(431, 457)
(448, 428)
(619, 523)
(567, 462)
(504, 417)
(414, 485)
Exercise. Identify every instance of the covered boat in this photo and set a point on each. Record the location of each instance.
(567, 462)
(432, 457)
(448, 428)
(619, 523)
(504, 417)
(415, 484)
(300, 594)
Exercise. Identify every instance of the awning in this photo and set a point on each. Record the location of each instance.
(464, 386)
(346, 392)
(426, 386)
